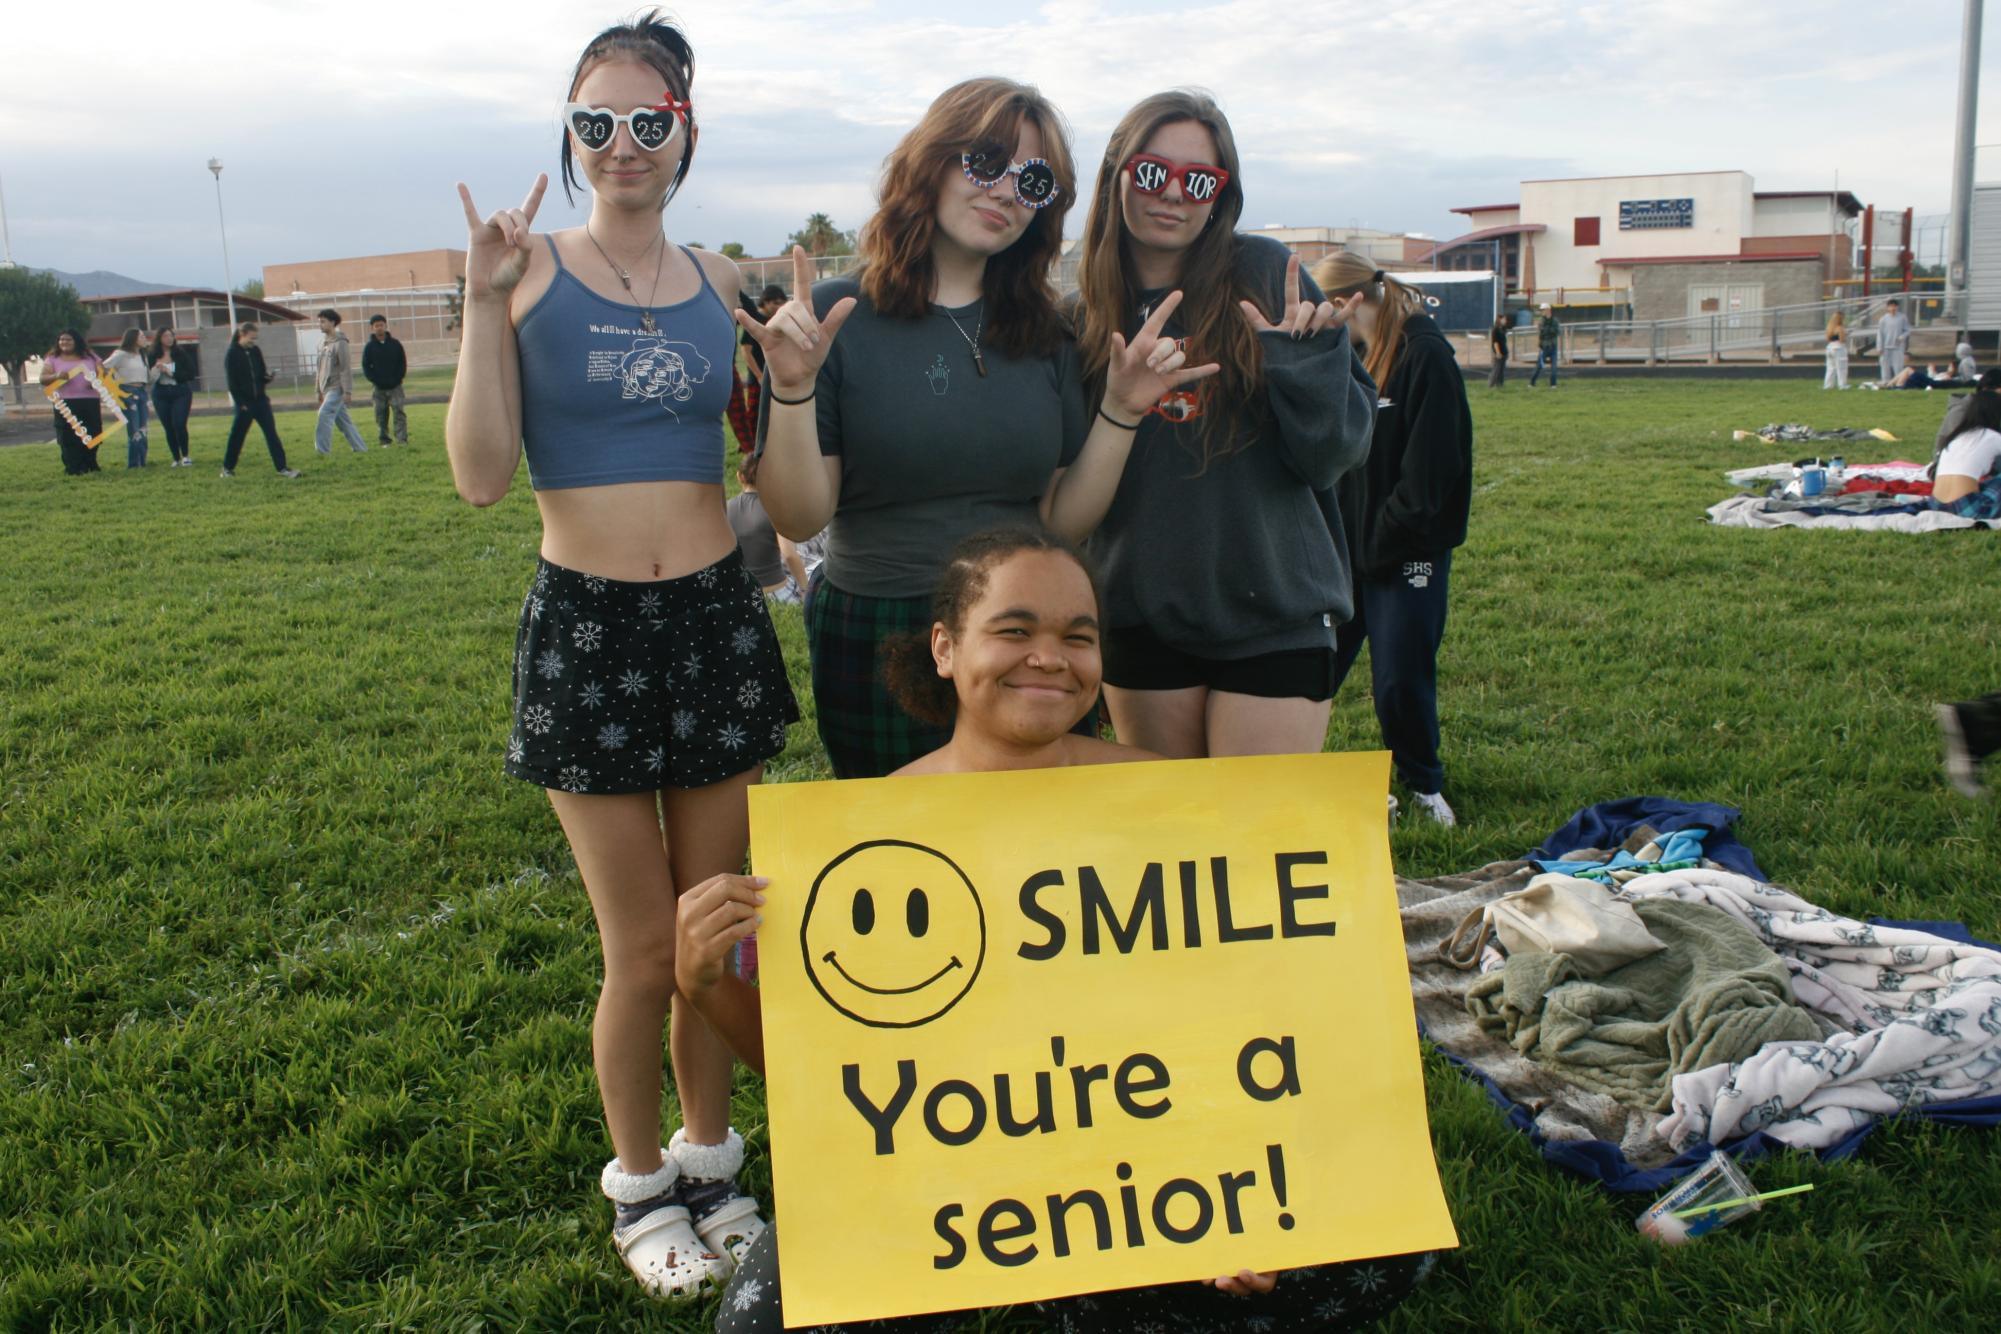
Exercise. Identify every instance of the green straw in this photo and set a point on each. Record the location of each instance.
(1742, 1199)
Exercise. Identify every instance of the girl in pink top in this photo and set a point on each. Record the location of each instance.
(79, 406)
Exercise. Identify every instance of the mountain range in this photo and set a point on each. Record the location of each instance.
(102, 282)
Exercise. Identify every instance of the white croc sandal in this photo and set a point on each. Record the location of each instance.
(666, 1256)
(731, 1228)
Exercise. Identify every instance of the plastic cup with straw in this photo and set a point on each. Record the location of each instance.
(1713, 1195)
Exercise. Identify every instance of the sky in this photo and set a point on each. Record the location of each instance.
(343, 140)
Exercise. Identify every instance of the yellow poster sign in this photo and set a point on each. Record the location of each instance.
(1060, 1031)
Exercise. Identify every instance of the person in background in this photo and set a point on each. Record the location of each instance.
(243, 369)
(1006, 670)
(1837, 361)
(172, 379)
(746, 391)
(1893, 335)
(1548, 338)
(770, 556)
(1972, 732)
(384, 365)
(1970, 456)
(1955, 414)
(1837, 326)
(335, 382)
(1964, 366)
(130, 368)
(1404, 511)
(79, 396)
(1497, 344)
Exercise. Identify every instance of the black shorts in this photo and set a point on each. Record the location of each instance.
(1136, 659)
(632, 687)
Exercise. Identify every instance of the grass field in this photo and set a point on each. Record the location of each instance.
(295, 986)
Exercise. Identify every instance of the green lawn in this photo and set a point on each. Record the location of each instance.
(295, 986)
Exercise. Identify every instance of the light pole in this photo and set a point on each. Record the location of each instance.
(1959, 231)
(6, 237)
(228, 283)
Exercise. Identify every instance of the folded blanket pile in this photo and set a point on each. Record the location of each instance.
(1715, 995)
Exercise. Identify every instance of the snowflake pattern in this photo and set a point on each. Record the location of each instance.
(542, 579)
(516, 748)
(591, 696)
(632, 683)
(684, 724)
(731, 737)
(1367, 1278)
(612, 736)
(706, 578)
(656, 760)
(574, 778)
(746, 1294)
(588, 636)
(691, 666)
(538, 718)
(594, 582)
(778, 734)
(649, 604)
(550, 664)
(534, 605)
(746, 639)
(749, 693)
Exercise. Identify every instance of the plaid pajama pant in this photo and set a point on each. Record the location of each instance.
(866, 734)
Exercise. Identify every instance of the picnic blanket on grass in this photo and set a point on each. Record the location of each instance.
(1627, 1148)
(1761, 512)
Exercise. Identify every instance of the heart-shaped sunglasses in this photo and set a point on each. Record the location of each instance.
(986, 164)
(652, 128)
(1200, 182)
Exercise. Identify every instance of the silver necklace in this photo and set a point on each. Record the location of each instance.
(625, 279)
(972, 339)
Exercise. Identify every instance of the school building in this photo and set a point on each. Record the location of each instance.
(1665, 246)
(416, 289)
(200, 320)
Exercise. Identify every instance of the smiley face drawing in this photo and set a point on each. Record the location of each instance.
(894, 934)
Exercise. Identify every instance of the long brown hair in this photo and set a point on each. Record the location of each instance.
(1211, 286)
(897, 273)
(1342, 275)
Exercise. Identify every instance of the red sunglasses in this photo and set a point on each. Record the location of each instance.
(1200, 183)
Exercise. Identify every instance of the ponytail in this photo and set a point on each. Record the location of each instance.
(1345, 273)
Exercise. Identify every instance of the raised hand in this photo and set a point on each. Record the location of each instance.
(709, 921)
(795, 341)
(1302, 318)
(1245, 1283)
(498, 249)
(1141, 373)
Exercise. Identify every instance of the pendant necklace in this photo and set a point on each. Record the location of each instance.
(972, 339)
(625, 279)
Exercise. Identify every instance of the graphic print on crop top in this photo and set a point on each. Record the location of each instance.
(654, 369)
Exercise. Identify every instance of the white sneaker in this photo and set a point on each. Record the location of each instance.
(227, 473)
(288, 472)
(1961, 769)
(1434, 806)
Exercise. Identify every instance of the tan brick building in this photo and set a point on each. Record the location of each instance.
(414, 288)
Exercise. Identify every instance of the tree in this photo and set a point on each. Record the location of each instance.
(253, 288)
(821, 237)
(34, 308)
(733, 250)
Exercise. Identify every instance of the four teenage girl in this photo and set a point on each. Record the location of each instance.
(1192, 417)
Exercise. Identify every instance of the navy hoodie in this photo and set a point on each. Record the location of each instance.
(1410, 497)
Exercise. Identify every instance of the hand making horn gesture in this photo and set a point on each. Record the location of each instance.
(1143, 372)
(498, 250)
(796, 341)
(1302, 319)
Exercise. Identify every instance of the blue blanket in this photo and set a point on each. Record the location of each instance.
(1611, 823)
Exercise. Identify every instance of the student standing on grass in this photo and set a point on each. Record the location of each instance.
(335, 382)
(79, 396)
(130, 368)
(1548, 342)
(383, 365)
(1404, 511)
(1893, 335)
(1008, 666)
(172, 379)
(243, 369)
(951, 400)
(772, 558)
(1837, 362)
(1225, 574)
(649, 689)
(1497, 342)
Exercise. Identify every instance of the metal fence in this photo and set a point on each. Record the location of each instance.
(760, 273)
(1773, 334)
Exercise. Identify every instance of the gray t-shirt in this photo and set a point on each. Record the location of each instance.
(756, 538)
(931, 450)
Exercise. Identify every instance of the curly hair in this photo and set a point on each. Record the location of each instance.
(907, 667)
(1021, 313)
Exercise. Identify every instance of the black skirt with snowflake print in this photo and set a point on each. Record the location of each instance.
(632, 687)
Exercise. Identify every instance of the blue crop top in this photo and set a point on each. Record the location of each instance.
(604, 401)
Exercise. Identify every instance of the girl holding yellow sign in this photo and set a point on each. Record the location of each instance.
(1010, 663)
(67, 373)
